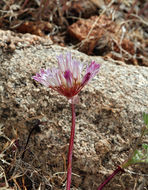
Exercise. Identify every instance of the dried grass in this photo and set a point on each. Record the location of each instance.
(129, 29)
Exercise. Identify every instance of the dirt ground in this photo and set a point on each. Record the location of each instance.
(116, 30)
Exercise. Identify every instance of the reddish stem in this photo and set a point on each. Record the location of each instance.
(132, 8)
(119, 169)
(143, 9)
(25, 3)
(69, 169)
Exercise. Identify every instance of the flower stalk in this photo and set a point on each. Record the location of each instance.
(119, 169)
(69, 169)
(68, 80)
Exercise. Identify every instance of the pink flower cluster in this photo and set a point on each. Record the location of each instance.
(67, 78)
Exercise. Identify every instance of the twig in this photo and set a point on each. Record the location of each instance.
(35, 127)
(25, 3)
(115, 61)
(23, 154)
(95, 22)
(132, 8)
(143, 9)
(6, 182)
(131, 172)
(139, 19)
(16, 184)
(57, 173)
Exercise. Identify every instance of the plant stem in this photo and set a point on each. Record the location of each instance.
(69, 169)
(35, 128)
(25, 3)
(23, 154)
(119, 169)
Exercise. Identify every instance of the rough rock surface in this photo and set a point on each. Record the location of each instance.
(109, 115)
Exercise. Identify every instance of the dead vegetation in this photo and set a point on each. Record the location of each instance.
(18, 164)
(116, 30)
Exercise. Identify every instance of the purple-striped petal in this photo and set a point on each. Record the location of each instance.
(67, 79)
(93, 67)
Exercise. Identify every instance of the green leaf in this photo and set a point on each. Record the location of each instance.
(140, 156)
(145, 117)
(145, 146)
(137, 157)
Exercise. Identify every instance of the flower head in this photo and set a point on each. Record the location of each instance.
(67, 78)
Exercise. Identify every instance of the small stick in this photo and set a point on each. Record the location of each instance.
(36, 127)
(25, 3)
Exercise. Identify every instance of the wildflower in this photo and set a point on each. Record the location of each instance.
(67, 78)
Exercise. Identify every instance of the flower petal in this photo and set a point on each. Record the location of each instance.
(46, 77)
(68, 77)
(93, 69)
(77, 69)
(61, 63)
(69, 62)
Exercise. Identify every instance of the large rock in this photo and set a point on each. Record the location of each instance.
(109, 115)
